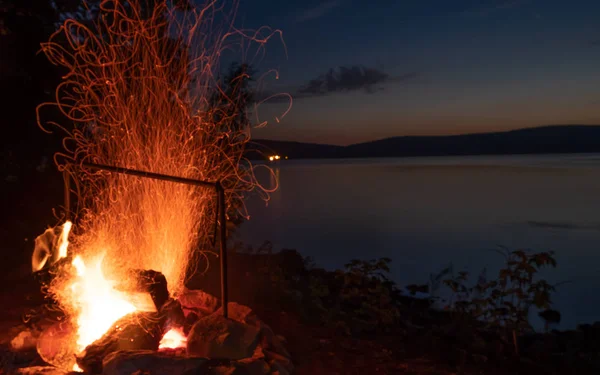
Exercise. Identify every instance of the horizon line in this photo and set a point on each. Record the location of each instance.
(429, 136)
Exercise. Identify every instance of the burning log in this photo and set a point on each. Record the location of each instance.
(153, 283)
(141, 331)
(140, 343)
(49, 272)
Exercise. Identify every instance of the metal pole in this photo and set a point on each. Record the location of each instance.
(223, 237)
(220, 214)
(67, 185)
(156, 176)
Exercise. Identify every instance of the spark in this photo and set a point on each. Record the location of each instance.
(139, 93)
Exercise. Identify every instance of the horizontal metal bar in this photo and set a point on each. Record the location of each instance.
(156, 176)
(221, 214)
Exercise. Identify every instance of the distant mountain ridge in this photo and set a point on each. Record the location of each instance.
(540, 140)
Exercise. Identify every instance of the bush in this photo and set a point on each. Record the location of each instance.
(503, 304)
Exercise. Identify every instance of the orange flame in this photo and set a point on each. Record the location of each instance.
(173, 339)
(63, 242)
(98, 304)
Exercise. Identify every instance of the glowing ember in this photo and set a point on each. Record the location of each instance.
(98, 304)
(173, 339)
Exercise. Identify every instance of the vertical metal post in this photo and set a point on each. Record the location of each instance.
(223, 238)
(67, 185)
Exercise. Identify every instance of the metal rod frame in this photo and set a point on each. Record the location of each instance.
(157, 176)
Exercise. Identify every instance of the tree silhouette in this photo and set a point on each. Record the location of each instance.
(233, 95)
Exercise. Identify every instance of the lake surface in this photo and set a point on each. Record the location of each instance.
(427, 213)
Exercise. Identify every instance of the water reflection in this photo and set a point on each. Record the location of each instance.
(426, 213)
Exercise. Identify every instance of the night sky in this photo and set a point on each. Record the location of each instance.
(418, 67)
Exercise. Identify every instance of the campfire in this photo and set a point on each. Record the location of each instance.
(120, 331)
(155, 148)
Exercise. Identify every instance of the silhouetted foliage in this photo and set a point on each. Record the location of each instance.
(505, 302)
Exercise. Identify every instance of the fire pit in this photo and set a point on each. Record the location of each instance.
(155, 143)
(134, 324)
(184, 335)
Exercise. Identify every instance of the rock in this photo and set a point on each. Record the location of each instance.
(152, 363)
(279, 362)
(172, 315)
(217, 337)
(141, 331)
(25, 340)
(240, 313)
(190, 318)
(40, 370)
(225, 370)
(272, 342)
(198, 301)
(278, 368)
(55, 345)
(255, 366)
(247, 366)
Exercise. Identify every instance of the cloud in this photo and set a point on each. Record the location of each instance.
(318, 11)
(350, 78)
(342, 79)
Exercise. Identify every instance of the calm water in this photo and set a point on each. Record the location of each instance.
(425, 213)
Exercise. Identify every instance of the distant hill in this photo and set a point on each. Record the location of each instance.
(540, 140)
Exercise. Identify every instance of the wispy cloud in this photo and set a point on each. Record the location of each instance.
(344, 79)
(317, 11)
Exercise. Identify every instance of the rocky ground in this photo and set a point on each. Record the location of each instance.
(314, 349)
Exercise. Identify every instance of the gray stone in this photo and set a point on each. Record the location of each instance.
(217, 337)
(151, 363)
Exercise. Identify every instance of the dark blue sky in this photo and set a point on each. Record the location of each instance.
(418, 67)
